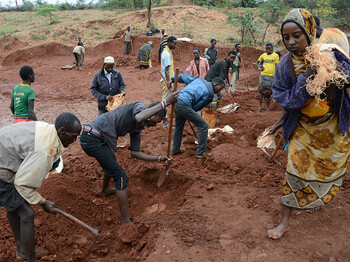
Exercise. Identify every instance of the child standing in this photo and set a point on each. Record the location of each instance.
(266, 64)
(22, 100)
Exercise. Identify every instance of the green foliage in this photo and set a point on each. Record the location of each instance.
(337, 11)
(271, 12)
(113, 4)
(6, 45)
(43, 36)
(27, 6)
(64, 6)
(342, 15)
(248, 3)
(226, 3)
(35, 36)
(47, 11)
(247, 23)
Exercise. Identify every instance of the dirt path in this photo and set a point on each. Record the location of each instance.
(216, 210)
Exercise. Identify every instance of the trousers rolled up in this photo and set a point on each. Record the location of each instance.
(184, 112)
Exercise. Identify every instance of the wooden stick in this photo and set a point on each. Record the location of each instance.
(79, 222)
(162, 76)
(170, 136)
(246, 81)
(132, 47)
(277, 147)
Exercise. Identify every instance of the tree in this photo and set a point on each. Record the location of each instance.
(248, 3)
(149, 13)
(272, 10)
(247, 23)
(342, 12)
(47, 10)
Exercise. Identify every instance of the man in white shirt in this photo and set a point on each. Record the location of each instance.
(28, 151)
(167, 69)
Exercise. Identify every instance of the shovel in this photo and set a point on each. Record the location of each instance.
(163, 176)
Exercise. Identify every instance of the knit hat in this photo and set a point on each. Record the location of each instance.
(109, 60)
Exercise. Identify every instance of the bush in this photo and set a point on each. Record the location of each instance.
(47, 10)
(35, 36)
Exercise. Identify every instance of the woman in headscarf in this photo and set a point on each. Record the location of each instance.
(315, 131)
(144, 55)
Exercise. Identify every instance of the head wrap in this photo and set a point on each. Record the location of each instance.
(304, 20)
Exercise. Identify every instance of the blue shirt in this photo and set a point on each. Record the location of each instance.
(197, 93)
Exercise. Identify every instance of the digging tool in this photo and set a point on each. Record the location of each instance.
(163, 77)
(272, 156)
(94, 231)
(194, 131)
(246, 81)
(132, 47)
(163, 176)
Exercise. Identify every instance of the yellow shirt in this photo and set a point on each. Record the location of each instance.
(269, 63)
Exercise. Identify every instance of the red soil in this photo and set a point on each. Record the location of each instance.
(218, 209)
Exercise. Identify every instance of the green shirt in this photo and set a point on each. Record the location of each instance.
(21, 94)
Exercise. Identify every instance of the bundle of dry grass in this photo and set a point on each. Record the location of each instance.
(321, 57)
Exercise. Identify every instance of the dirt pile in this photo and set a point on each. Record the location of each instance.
(26, 55)
(9, 43)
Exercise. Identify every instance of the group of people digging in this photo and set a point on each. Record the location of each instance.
(315, 126)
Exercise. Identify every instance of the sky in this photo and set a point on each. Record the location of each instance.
(13, 3)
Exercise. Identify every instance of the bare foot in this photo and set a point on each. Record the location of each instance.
(278, 231)
(107, 192)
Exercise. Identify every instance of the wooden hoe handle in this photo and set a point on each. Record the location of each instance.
(79, 222)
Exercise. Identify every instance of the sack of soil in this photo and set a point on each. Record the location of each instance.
(266, 139)
(210, 117)
(117, 101)
(229, 108)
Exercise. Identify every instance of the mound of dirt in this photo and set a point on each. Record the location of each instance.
(9, 43)
(26, 55)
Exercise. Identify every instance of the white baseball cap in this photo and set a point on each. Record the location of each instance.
(109, 60)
